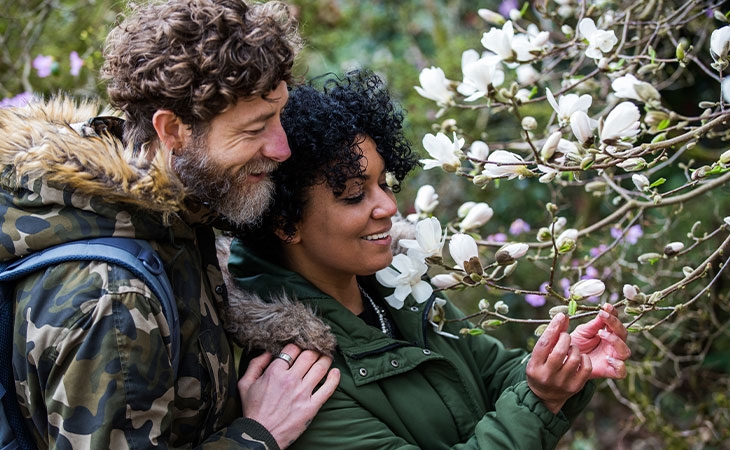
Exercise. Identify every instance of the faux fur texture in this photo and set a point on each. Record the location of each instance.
(256, 324)
(38, 141)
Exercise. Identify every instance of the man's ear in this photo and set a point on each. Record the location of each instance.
(171, 131)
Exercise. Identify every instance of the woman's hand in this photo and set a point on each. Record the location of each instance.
(603, 340)
(557, 369)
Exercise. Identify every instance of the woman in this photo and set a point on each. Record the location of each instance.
(402, 385)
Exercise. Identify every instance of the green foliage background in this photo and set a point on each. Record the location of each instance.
(398, 38)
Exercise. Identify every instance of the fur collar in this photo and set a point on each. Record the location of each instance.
(48, 140)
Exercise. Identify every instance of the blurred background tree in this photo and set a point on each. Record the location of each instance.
(677, 394)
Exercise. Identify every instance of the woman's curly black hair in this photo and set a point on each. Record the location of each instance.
(324, 127)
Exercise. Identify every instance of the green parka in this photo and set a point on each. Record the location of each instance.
(91, 363)
(425, 391)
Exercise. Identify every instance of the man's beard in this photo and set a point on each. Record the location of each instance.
(229, 195)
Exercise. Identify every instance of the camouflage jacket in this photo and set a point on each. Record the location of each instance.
(91, 366)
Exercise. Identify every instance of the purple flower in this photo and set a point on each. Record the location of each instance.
(497, 237)
(536, 300)
(595, 251)
(632, 234)
(76, 63)
(44, 65)
(19, 100)
(519, 226)
(506, 6)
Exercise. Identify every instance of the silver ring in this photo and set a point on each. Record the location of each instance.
(286, 357)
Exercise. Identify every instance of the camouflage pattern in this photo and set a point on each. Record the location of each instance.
(91, 366)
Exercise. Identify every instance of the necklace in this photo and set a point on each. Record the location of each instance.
(379, 311)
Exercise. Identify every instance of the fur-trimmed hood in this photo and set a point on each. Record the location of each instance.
(60, 155)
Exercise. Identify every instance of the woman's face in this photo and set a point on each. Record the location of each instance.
(347, 235)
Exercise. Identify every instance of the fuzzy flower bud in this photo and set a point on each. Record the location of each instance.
(508, 253)
(673, 248)
(587, 288)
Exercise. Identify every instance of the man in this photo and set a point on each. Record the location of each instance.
(202, 84)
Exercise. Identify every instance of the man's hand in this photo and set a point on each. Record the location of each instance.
(557, 370)
(603, 340)
(282, 398)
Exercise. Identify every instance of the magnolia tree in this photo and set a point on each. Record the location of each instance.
(585, 85)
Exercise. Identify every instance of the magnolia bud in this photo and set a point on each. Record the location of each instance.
(501, 307)
(587, 288)
(555, 310)
(529, 123)
(508, 253)
(540, 330)
(483, 305)
(725, 157)
(673, 248)
(630, 291)
(650, 258)
(632, 164)
(543, 234)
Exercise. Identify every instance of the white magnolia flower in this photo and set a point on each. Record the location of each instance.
(640, 181)
(567, 104)
(599, 41)
(462, 248)
(628, 86)
(404, 274)
(622, 122)
(528, 45)
(527, 75)
(623, 87)
(523, 95)
(429, 239)
(445, 280)
(502, 163)
(587, 288)
(478, 215)
(479, 75)
(478, 150)
(435, 86)
(445, 152)
(426, 199)
(567, 240)
(720, 43)
(582, 126)
(551, 144)
(464, 209)
(548, 173)
(499, 41)
(436, 309)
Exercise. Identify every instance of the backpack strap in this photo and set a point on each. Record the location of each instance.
(135, 255)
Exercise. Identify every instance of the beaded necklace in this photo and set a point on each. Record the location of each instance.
(380, 312)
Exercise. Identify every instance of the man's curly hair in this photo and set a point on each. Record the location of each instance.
(196, 58)
(324, 128)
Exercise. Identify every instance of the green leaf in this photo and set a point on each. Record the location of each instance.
(658, 182)
(572, 307)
